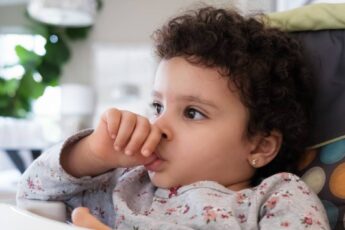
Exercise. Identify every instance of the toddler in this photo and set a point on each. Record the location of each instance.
(230, 121)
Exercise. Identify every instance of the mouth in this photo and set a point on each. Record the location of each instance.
(158, 155)
(156, 164)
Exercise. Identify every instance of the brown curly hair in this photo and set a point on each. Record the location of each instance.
(265, 64)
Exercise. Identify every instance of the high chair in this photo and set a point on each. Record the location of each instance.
(17, 218)
(321, 29)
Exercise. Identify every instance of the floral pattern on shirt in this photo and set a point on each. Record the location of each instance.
(127, 200)
(34, 184)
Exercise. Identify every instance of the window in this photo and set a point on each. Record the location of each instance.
(8, 58)
(49, 103)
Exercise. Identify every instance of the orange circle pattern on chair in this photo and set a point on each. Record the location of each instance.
(337, 181)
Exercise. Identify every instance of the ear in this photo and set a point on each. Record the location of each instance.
(265, 149)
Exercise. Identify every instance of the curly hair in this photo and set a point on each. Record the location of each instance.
(265, 64)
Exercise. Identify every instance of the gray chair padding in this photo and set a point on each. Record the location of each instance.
(325, 50)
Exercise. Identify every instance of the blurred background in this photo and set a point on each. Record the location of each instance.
(63, 62)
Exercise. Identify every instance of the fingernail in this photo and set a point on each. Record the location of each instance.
(128, 152)
(117, 148)
(146, 152)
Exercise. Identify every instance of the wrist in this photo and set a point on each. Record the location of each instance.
(95, 156)
(78, 159)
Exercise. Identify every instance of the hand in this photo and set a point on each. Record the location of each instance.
(124, 139)
(81, 217)
(121, 139)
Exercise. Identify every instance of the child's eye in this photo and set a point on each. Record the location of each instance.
(193, 114)
(158, 108)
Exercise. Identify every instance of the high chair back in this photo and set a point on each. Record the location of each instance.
(321, 29)
(323, 166)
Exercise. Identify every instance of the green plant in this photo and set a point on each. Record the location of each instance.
(17, 95)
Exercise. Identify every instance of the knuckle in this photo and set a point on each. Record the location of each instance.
(144, 124)
(128, 115)
(112, 112)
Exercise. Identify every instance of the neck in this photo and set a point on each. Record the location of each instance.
(239, 185)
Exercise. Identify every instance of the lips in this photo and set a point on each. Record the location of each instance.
(158, 155)
(156, 164)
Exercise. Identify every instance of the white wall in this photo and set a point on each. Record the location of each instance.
(131, 22)
(122, 23)
(12, 15)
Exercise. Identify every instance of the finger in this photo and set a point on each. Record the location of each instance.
(135, 160)
(112, 119)
(82, 217)
(127, 125)
(151, 141)
(140, 133)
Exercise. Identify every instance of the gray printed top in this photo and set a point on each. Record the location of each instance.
(126, 199)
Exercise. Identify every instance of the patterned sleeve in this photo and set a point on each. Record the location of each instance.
(291, 204)
(45, 179)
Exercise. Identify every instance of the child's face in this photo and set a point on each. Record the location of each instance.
(205, 126)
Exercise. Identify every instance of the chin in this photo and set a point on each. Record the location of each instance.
(160, 182)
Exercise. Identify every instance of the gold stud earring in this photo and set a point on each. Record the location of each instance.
(254, 161)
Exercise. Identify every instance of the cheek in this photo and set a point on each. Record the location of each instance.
(223, 140)
(206, 145)
(225, 147)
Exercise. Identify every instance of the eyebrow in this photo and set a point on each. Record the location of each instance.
(189, 98)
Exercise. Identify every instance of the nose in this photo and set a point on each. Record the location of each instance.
(165, 125)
